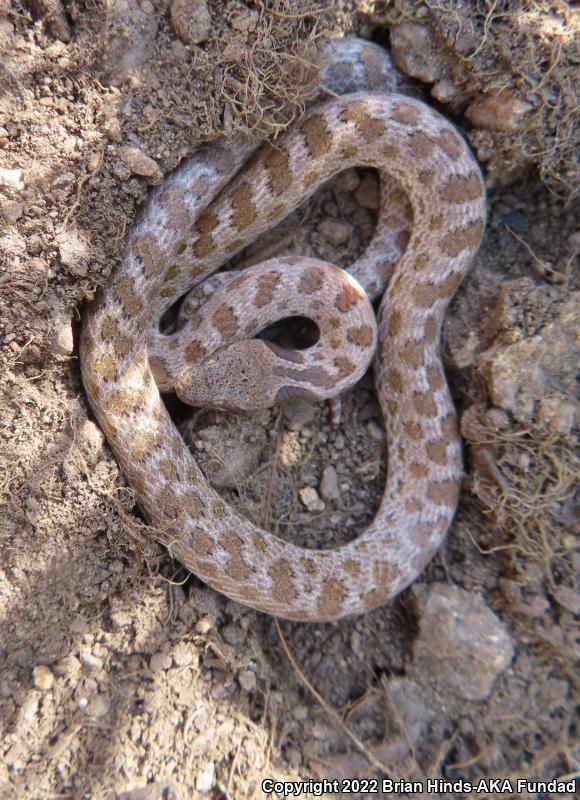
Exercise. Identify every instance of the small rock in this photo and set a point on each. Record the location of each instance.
(205, 778)
(32, 507)
(293, 756)
(159, 790)
(414, 51)
(56, 49)
(74, 251)
(79, 625)
(245, 22)
(191, 20)
(461, 643)
(109, 116)
(368, 193)
(98, 706)
(498, 418)
(184, 656)
(61, 181)
(320, 730)
(300, 712)
(574, 241)
(445, 91)
(34, 245)
(247, 680)
(6, 29)
(347, 181)
(499, 112)
(529, 368)
(556, 414)
(42, 677)
(334, 231)
(121, 619)
(298, 414)
(464, 356)
(62, 342)
(129, 41)
(11, 178)
(535, 607)
(233, 634)
(11, 210)
(140, 164)
(90, 436)
(375, 431)
(339, 441)
(54, 17)
(329, 488)
(204, 625)
(68, 666)
(160, 661)
(29, 707)
(311, 500)
(511, 590)
(568, 598)
(91, 661)
(179, 51)
(234, 50)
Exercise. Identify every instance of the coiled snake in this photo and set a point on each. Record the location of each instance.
(199, 217)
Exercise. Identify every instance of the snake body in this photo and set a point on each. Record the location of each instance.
(210, 208)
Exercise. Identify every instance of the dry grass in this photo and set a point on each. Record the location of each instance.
(265, 90)
(529, 48)
(530, 476)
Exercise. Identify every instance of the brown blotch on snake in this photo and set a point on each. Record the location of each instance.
(461, 188)
(369, 127)
(277, 164)
(312, 281)
(421, 145)
(347, 298)
(225, 321)
(450, 143)
(462, 238)
(204, 227)
(444, 493)
(361, 335)
(331, 597)
(317, 135)
(244, 210)
(267, 285)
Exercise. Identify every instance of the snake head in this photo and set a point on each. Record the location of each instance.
(236, 378)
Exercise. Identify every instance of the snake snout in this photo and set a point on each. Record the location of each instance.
(235, 378)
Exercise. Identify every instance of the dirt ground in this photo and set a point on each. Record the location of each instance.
(123, 676)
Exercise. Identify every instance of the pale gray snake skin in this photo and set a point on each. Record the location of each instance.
(199, 217)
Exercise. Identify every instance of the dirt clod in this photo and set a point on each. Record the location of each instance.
(461, 642)
(191, 20)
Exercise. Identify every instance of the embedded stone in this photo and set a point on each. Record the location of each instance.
(462, 644)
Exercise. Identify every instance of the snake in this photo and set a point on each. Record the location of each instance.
(430, 223)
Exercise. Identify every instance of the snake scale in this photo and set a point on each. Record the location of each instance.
(209, 209)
